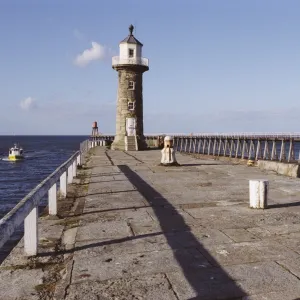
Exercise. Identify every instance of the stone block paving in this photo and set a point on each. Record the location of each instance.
(152, 232)
(187, 232)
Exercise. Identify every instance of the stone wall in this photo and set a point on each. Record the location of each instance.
(125, 95)
(286, 169)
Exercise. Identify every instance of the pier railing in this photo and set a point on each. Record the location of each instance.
(27, 209)
(275, 147)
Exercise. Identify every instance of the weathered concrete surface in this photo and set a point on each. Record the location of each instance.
(292, 170)
(142, 231)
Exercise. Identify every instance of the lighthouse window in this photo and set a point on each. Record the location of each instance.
(131, 85)
(131, 52)
(130, 105)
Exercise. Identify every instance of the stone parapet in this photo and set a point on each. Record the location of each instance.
(286, 169)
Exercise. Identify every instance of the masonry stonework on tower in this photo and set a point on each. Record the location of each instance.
(130, 66)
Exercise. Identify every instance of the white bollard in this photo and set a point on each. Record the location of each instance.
(63, 184)
(31, 233)
(70, 174)
(258, 192)
(78, 160)
(52, 200)
(74, 168)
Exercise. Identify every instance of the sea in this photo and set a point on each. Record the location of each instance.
(43, 154)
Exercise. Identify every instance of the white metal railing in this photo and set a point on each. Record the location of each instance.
(242, 134)
(27, 209)
(142, 61)
(282, 149)
(219, 134)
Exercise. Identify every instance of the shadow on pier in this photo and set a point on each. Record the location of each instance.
(222, 287)
(204, 164)
(280, 205)
(209, 281)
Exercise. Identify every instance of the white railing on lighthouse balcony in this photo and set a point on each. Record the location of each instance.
(142, 61)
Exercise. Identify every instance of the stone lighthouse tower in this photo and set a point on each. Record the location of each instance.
(130, 66)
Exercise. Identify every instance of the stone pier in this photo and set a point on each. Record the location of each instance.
(131, 229)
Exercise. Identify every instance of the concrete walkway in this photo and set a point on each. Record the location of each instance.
(141, 231)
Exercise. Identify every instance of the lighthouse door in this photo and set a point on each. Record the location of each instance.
(130, 126)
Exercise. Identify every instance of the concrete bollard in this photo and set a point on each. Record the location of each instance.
(258, 192)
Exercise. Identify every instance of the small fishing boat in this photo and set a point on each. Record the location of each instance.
(15, 153)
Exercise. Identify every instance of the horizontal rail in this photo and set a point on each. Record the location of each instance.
(212, 135)
(27, 209)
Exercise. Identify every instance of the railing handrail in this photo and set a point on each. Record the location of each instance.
(242, 134)
(251, 147)
(14, 218)
(26, 209)
(118, 60)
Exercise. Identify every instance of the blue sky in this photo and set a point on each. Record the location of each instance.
(215, 65)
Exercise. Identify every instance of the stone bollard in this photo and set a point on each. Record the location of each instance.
(258, 191)
(168, 153)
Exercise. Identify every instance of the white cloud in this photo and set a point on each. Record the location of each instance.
(77, 34)
(97, 52)
(28, 103)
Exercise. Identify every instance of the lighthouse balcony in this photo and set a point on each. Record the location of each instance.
(139, 61)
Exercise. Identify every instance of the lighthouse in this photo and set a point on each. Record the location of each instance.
(130, 66)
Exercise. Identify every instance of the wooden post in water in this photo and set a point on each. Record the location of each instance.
(31, 233)
(291, 151)
(204, 144)
(243, 149)
(214, 146)
(282, 150)
(225, 147)
(237, 148)
(209, 146)
(219, 148)
(257, 156)
(231, 147)
(247, 147)
(194, 143)
(250, 150)
(190, 146)
(266, 150)
(273, 154)
(52, 200)
(199, 144)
